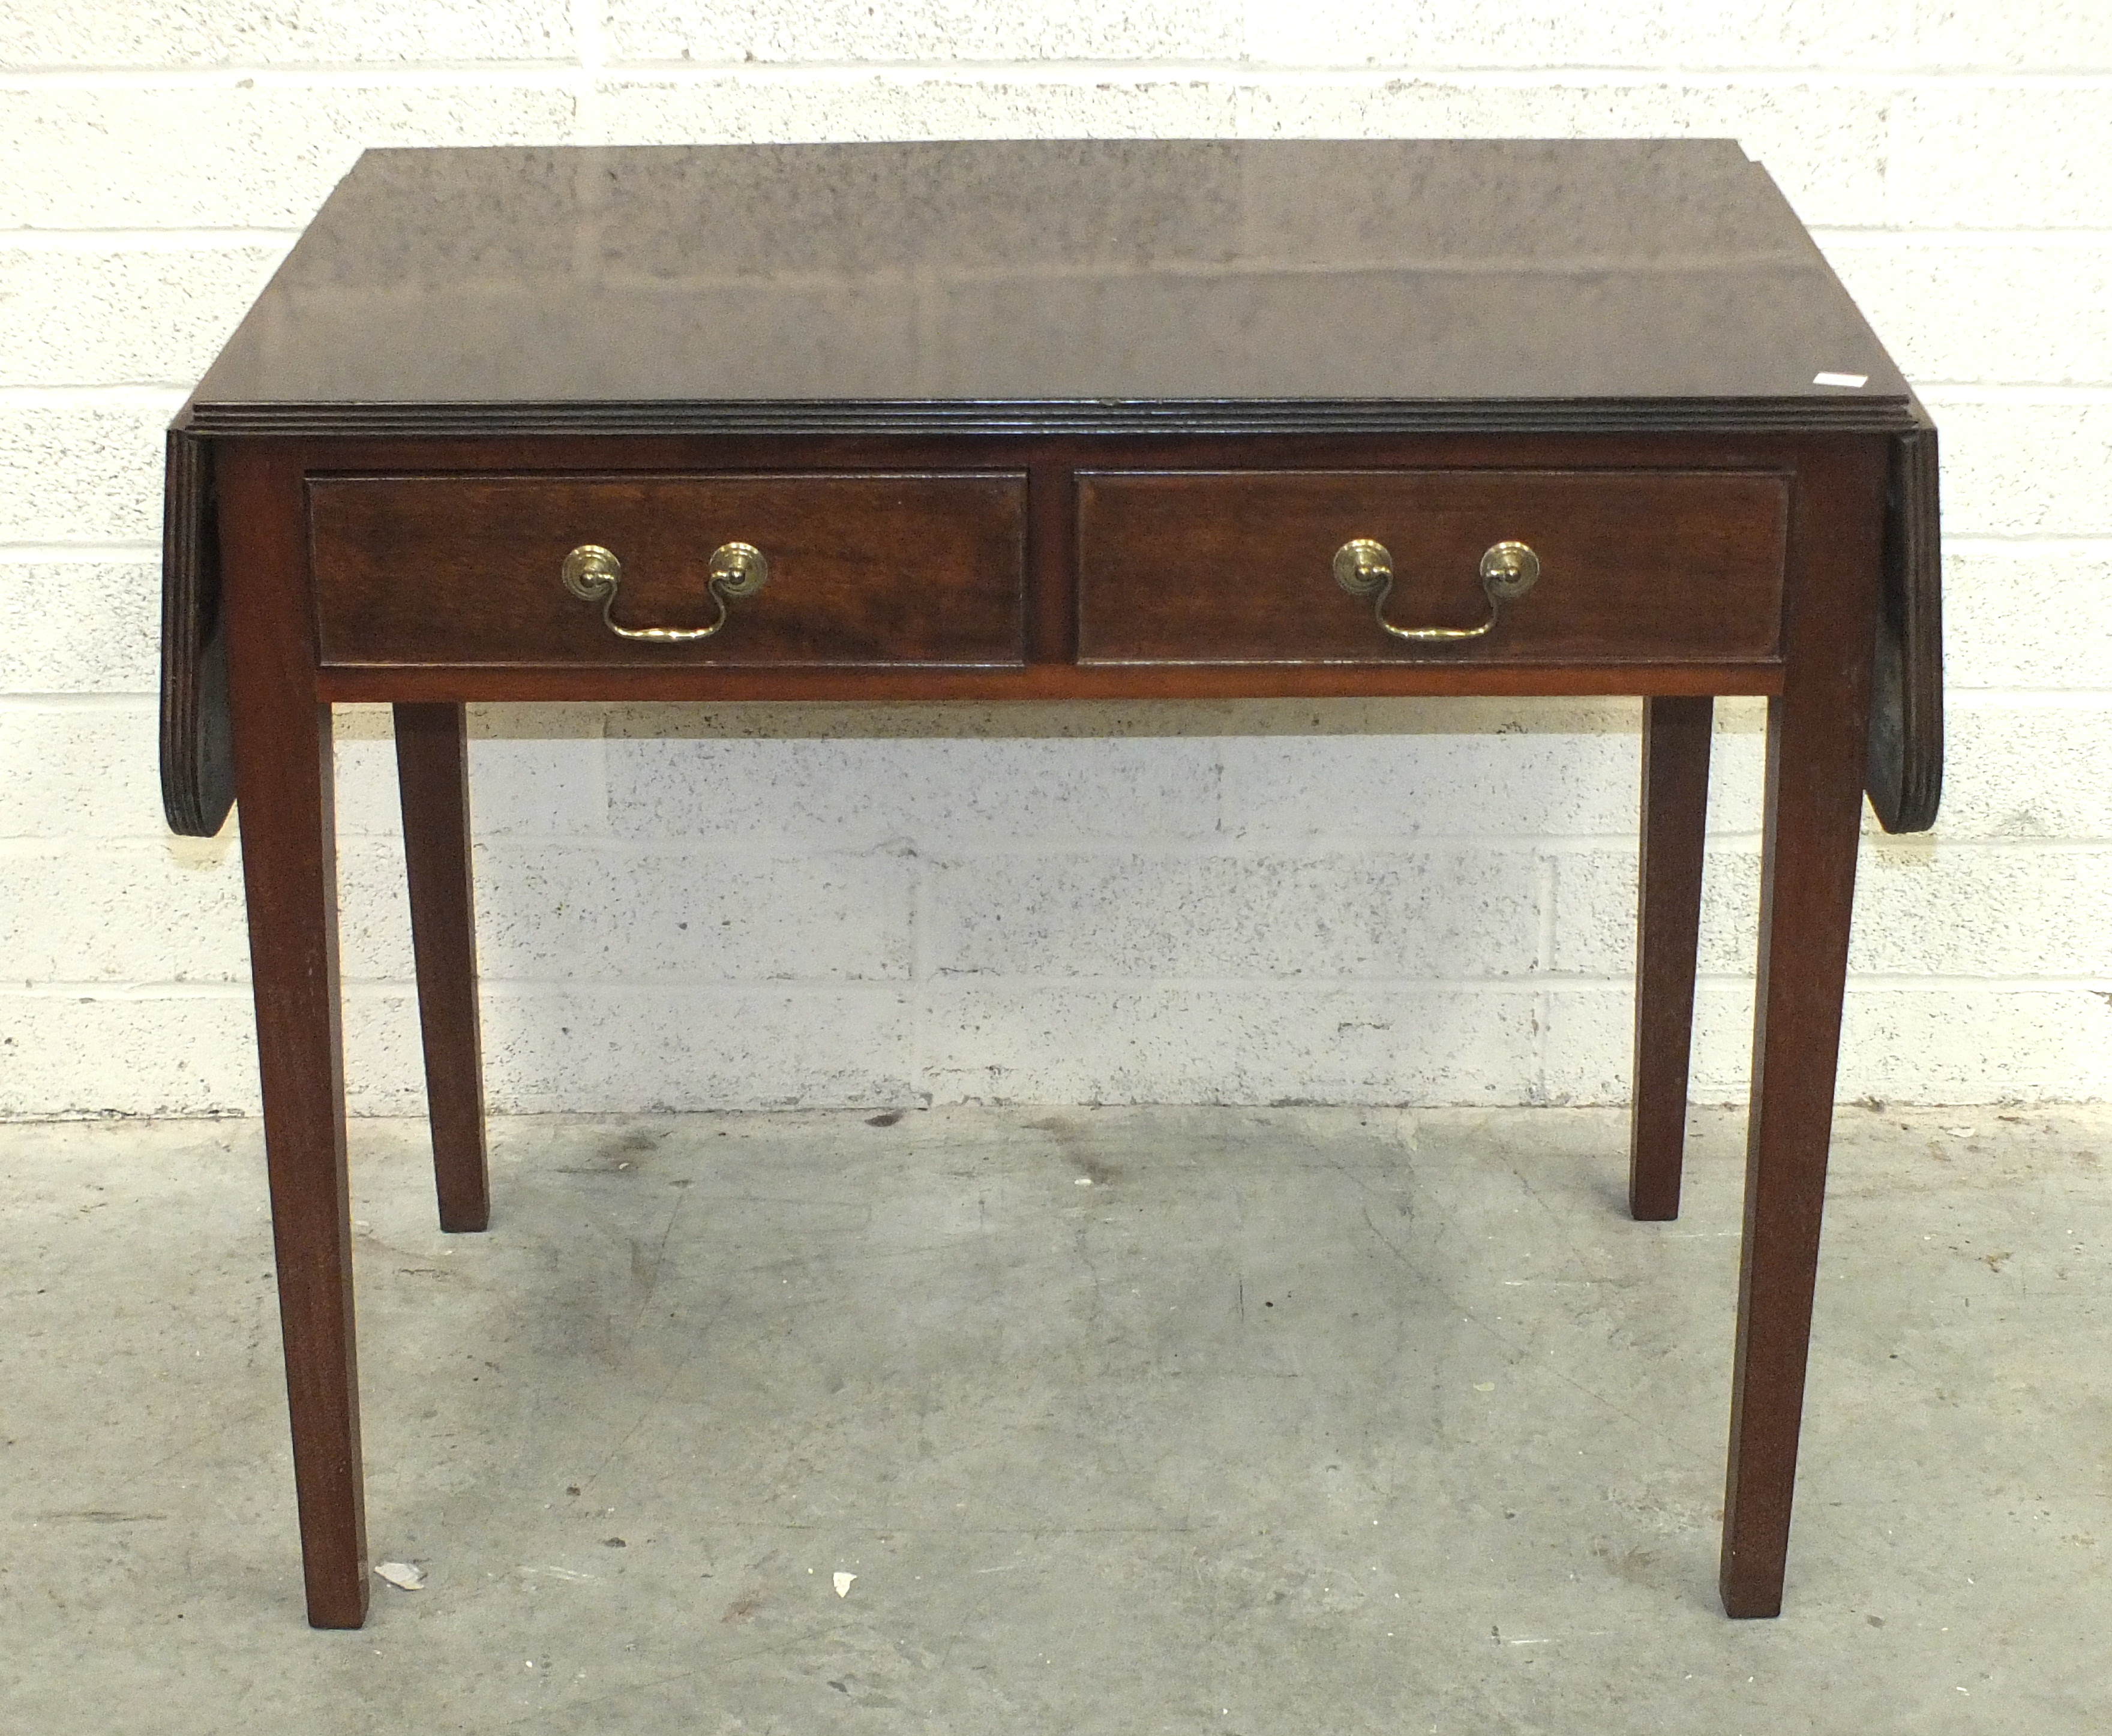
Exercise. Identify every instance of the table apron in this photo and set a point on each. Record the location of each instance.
(1042, 682)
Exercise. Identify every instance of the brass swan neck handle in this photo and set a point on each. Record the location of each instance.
(592, 574)
(1364, 568)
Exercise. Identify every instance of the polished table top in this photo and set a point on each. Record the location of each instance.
(889, 285)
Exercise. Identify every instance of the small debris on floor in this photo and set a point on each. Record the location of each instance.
(844, 1584)
(403, 1575)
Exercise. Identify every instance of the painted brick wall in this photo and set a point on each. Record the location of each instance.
(1385, 902)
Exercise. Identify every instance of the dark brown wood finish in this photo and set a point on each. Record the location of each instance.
(197, 757)
(1644, 567)
(1053, 624)
(432, 771)
(863, 569)
(1059, 422)
(1675, 812)
(1817, 738)
(1045, 682)
(1044, 285)
(815, 457)
(1904, 776)
(283, 780)
(775, 296)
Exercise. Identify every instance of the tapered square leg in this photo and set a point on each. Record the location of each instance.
(1817, 732)
(1675, 809)
(432, 770)
(283, 788)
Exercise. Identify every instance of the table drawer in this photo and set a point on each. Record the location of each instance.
(861, 569)
(1240, 567)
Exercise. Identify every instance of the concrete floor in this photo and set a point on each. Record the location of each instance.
(1296, 1420)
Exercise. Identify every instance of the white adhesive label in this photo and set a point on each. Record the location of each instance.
(1840, 380)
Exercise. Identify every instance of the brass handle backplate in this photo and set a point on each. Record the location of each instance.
(592, 574)
(1364, 568)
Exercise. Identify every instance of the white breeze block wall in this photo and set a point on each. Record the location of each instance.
(1401, 902)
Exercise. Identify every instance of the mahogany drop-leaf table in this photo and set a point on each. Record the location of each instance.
(1059, 421)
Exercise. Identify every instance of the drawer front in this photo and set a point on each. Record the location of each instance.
(862, 569)
(1239, 567)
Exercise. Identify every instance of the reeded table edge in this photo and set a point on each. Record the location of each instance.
(1111, 418)
(197, 736)
(1904, 773)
